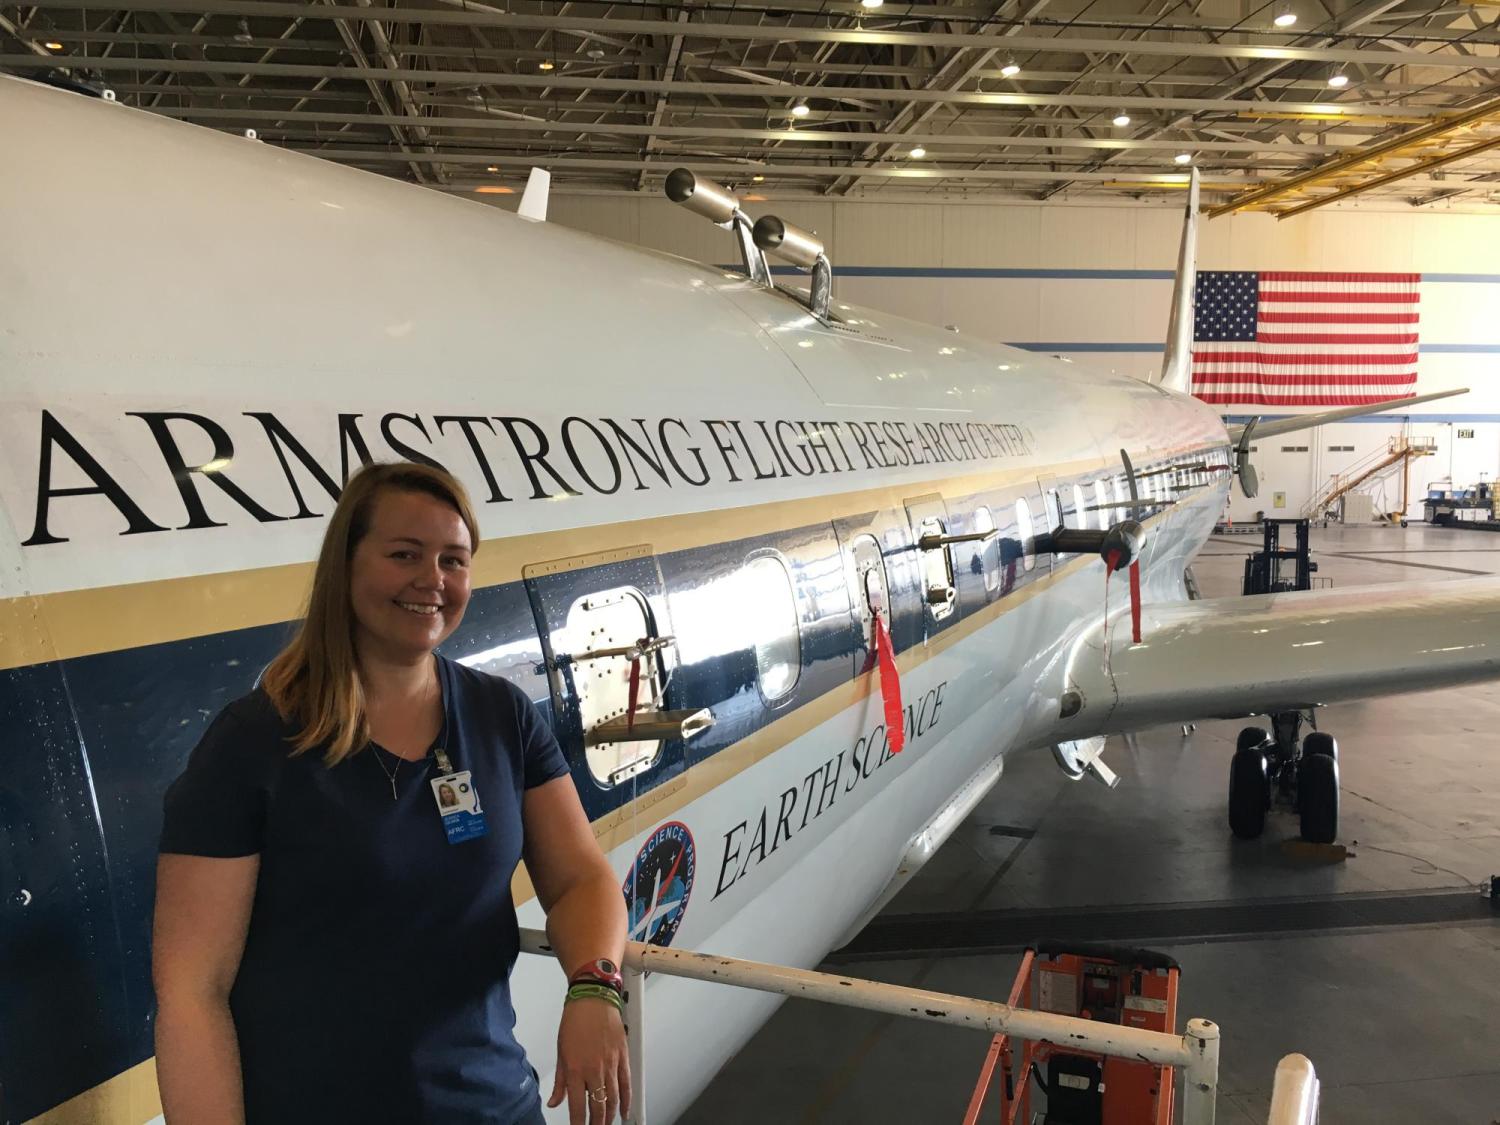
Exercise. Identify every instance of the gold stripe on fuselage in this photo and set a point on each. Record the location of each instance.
(72, 623)
(129, 1098)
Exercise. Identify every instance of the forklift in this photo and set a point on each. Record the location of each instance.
(1278, 764)
(1263, 573)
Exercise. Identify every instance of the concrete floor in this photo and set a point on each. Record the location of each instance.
(1401, 1021)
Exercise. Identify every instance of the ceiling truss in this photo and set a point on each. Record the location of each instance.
(983, 100)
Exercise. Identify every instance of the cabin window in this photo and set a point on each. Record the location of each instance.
(872, 591)
(600, 628)
(1053, 501)
(776, 630)
(987, 551)
(1080, 507)
(937, 569)
(1101, 502)
(1027, 532)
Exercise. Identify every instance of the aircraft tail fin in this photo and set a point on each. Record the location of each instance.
(534, 198)
(1177, 363)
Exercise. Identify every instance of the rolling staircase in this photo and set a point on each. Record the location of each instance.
(1399, 451)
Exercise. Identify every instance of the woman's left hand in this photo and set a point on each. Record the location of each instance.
(593, 1064)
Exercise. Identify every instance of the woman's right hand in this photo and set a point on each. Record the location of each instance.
(593, 1063)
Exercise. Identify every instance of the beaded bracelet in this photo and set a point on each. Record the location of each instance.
(596, 992)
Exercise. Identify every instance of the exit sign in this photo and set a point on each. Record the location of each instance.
(1465, 433)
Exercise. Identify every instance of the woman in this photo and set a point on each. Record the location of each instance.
(333, 945)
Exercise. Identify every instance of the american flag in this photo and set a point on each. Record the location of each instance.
(1305, 339)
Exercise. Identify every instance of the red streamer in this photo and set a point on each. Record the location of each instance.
(1135, 601)
(890, 686)
(635, 692)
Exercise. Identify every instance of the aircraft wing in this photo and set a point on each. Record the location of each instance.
(1230, 657)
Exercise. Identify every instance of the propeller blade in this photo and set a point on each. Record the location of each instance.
(1135, 496)
(1135, 563)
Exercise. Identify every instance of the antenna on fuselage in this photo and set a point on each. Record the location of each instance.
(534, 198)
(801, 248)
(1177, 363)
(720, 206)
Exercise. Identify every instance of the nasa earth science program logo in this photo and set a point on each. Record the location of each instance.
(659, 883)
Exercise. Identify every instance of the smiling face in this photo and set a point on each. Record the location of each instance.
(409, 577)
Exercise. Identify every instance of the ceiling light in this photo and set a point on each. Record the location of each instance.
(546, 64)
(595, 53)
(871, 3)
(800, 110)
(243, 34)
(1183, 158)
(757, 179)
(493, 168)
(1338, 81)
(918, 152)
(53, 46)
(1122, 119)
(1285, 18)
(1010, 69)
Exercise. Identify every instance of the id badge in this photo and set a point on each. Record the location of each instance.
(458, 804)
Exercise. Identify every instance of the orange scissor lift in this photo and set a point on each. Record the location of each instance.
(1130, 987)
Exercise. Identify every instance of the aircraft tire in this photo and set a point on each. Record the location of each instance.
(1318, 798)
(1251, 737)
(1320, 743)
(1249, 793)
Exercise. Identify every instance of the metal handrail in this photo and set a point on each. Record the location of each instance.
(1294, 1098)
(1196, 1051)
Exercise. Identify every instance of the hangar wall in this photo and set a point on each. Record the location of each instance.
(1087, 282)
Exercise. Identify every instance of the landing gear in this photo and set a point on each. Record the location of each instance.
(1318, 798)
(1320, 743)
(1273, 764)
(1249, 790)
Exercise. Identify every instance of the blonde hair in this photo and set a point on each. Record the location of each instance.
(314, 681)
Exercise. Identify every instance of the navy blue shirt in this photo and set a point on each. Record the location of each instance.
(374, 985)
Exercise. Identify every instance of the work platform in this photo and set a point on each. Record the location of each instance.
(1383, 968)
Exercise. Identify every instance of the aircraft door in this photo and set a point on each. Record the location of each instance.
(607, 642)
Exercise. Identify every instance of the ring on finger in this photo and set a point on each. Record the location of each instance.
(601, 1095)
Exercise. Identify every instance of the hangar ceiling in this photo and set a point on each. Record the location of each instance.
(1386, 100)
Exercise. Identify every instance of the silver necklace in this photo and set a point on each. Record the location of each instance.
(390, 774)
